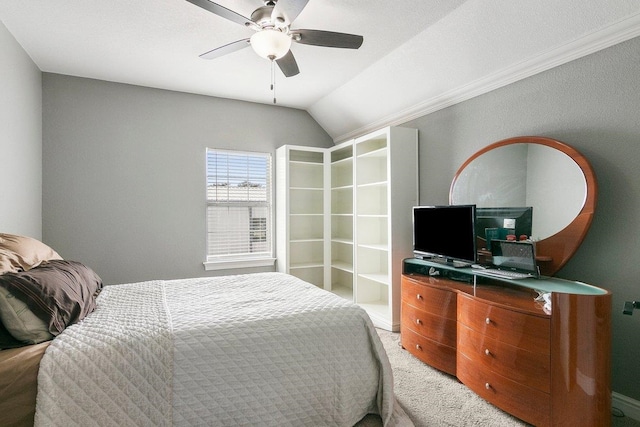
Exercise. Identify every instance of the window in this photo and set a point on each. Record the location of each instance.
(239, 209)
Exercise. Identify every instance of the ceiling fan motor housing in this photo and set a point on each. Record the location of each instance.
(262, 16)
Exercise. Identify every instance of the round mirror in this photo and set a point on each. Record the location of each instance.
(552, 178)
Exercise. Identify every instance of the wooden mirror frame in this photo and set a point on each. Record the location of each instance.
(554, 251)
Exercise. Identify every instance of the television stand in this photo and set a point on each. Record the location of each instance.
(546, 369)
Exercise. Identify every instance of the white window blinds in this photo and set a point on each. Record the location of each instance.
(238, 205)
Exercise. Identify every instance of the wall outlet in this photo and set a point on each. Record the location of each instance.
(629, 306)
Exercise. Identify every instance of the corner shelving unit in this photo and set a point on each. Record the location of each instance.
(346, 226)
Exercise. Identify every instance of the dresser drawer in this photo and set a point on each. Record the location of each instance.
(526, 331)
(525, 367)
(439, 356)
(439, 329)
(435, 301)
(526, 403)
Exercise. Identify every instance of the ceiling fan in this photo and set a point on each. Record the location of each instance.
(273, 33)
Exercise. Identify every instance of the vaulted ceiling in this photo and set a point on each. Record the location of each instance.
(417, 56)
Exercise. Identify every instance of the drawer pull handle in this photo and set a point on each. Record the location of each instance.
(418, 296)
(487, 386)
(487, 321)
(418, 347)
(487, 352)
(418, 321)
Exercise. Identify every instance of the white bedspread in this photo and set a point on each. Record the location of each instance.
(261, 349)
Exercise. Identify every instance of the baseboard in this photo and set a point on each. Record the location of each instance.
(629, 406)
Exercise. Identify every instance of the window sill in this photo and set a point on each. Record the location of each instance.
(238, 263)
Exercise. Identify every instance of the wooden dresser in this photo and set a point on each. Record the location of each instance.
(548, 369)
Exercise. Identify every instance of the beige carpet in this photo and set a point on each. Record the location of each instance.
(432, 398)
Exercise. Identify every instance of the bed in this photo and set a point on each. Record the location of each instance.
(257, 349)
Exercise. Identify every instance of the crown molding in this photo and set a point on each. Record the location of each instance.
(608, 36)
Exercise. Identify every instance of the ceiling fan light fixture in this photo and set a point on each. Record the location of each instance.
(270, 43)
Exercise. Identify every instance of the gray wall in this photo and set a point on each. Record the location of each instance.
(124, 171)
(20, 140)
(593, 105)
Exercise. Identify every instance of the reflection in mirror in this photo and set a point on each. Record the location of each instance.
(525, 174)
(553, 178)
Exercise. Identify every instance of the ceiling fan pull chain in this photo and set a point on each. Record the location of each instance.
(273, 80)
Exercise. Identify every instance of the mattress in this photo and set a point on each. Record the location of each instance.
(258, 349)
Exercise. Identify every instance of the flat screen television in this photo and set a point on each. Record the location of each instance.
(445, 233)
(497, 223)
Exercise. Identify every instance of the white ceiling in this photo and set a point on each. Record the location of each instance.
(417, 56)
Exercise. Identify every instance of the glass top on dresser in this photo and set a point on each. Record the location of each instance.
(544, 284)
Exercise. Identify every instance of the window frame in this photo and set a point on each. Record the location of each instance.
(235, 261)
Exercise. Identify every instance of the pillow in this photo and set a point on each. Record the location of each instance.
(20, 322)
(9, 262)
(58, 292)
(29, 251)
(7, 340)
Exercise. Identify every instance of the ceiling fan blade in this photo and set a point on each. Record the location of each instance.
(228, 48)
(285, 11)
(327, 38)
(222, 11)
(288, 65)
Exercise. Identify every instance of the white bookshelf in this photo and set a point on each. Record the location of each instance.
(386, 188)
(344, 217)
(340, 159)
(300, 213)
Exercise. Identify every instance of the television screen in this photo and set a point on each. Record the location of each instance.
(445, 233)
(498, 223)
